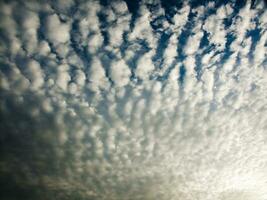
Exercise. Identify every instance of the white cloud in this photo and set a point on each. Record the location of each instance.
(80, 77)
(180, 18)
(190, 76)
(120, 73)
(145, 66)
(9, 27)
(142, 28)
(260, 49)
(215, 27)
(170, 52)
(96, 76)
(109, 137)
(94, 43)
(43, 48)
(90, 22)
(63, 76)
(30, 25)
(15, 80)
(207, 58)
(243, 22)
(73, 59)
(89, 26)
(193, 43)
(57, 32)
(119, 19)
(34, 74)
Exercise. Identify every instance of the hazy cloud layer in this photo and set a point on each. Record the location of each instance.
(111, 100)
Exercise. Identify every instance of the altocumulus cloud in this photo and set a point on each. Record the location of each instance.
(129, 100)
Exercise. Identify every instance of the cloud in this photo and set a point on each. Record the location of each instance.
(215, 27)
(120, 73)
(119, 19)
(34, 74)
(97, 102)
(180, 18)
(260, 49)
(57, 32)
(145, 66)
(142, 29)
(96, 76)
(63, 77)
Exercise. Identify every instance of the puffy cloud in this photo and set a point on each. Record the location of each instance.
(180, 18)
(170, 52)
(142, 29)
(145, 66)
(94, 43)
(260, 49)
(9, 30)
(63, 76)
(119, 19)
(96, 103)
(30, 25)
(43, 48)
(57, 31)
(120, 73)
(89, 26)
(215, 27)
(193, 43)
(34, 74)
(243, 23)
(96, 76)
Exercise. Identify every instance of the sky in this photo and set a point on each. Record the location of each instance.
(133, 100)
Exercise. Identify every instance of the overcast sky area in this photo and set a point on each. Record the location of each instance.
(133, 100)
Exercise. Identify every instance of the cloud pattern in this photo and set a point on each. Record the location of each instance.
(133, 101)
